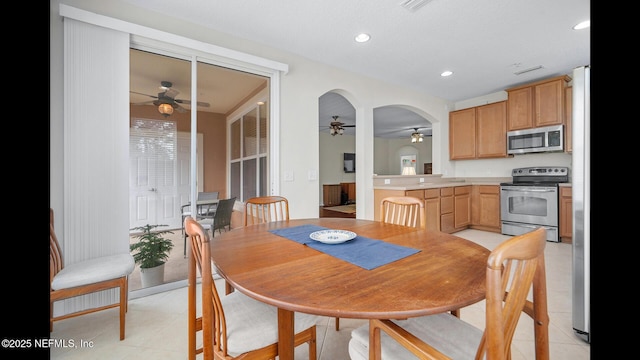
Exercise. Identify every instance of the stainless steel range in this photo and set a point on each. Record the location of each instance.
(531, 200)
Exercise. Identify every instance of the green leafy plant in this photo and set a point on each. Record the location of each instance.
(152, 249)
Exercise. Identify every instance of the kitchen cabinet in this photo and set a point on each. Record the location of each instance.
(446, 210)
(485, 208)
(462, 134)
(478, 132)
(568, 116)
(537, 104)
(455, 208)
(432, 208)
(331, 194)
(461, 207)
(492, 130)
(566, 214)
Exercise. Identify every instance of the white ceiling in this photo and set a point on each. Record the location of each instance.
(484, 42)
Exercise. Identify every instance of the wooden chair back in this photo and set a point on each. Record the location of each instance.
(87, 279)
(514, 267)
(213, 322)
(263, 209)
(213, 335)
(403, 210)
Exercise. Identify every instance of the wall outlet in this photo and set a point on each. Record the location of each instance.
(387, 181)
(421, 180)
(312, 175)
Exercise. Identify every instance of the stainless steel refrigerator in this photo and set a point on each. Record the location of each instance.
(581, 190)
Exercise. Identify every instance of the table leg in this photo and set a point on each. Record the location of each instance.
(285, 334)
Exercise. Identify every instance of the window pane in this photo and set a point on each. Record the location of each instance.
(235, 180)
(248, 179)
(249, 131)
(264, 190)
(235, 140)
(263, 110)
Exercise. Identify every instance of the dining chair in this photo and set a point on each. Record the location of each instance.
(221, 220)
(86, 277)
(403, 210)
(515, 268)
(263, 209)
(202, 212)
(234, 326)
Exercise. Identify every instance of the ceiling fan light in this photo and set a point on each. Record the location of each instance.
(165, 109)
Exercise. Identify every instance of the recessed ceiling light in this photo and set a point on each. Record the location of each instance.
(363, 37)
(583, 25)
(446, 73)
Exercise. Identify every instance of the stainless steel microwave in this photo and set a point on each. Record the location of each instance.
(542, 139)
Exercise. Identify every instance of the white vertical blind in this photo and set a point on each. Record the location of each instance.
(96, 148)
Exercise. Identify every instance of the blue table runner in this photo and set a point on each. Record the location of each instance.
(361, 251)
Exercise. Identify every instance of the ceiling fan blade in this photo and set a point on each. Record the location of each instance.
(348, 126)
(171, 93)
(179, 108)
(151, 96)
(188, 102)
(150, 102)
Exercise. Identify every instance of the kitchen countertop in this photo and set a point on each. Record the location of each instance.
(434, 182)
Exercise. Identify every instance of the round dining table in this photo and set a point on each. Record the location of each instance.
(446, 274)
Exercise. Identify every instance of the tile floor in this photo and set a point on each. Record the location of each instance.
(156, 325)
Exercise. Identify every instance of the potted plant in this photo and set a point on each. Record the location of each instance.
(150, 252)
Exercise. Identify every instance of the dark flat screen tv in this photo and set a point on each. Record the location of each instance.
(349, 162)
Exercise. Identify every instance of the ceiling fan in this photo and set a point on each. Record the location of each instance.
(416, 136)
(166, 100)
(337, 127)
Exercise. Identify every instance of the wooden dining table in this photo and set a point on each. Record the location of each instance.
(446, 274)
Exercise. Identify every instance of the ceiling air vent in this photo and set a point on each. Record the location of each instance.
(528, 70)
(414, 5)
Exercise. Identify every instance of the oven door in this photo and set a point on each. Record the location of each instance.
(535, 205)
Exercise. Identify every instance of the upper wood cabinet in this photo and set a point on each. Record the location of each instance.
(537, 104)
(462, 134)
(492, 130)
(478, 132)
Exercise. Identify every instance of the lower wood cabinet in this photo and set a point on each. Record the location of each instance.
(432, 208)
(446, 210)
(566, 214)
(485, 208)
(454, 208)
(461, 207)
